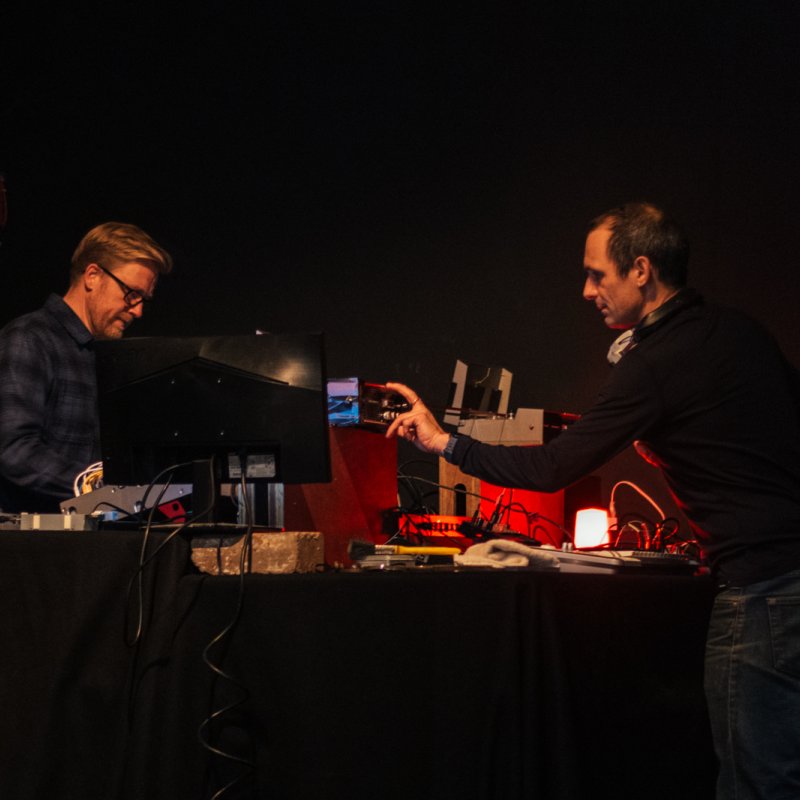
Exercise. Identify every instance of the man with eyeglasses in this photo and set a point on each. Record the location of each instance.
(48, 394)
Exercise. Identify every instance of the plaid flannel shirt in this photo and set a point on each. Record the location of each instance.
(48, 407)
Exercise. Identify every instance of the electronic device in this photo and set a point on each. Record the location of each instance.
(125, 499)
(477, 390)
(230, 407)
(635, 561)
(354, 403)
(662, 560)
(526, 426)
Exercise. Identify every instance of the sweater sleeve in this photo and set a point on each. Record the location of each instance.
(625, 410)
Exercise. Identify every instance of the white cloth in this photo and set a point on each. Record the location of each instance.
(502, 553)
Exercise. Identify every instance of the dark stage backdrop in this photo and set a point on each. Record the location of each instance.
(413, 180)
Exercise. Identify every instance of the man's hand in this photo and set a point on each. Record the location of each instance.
(418, 425)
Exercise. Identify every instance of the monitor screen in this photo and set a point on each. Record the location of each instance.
(255, 400)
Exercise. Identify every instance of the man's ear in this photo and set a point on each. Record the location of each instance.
(91, 275)
(643, 271)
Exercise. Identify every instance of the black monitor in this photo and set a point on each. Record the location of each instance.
(258, 400)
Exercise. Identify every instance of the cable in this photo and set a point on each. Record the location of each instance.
(638, 527)
(138, 577)
(86, 480)
(144, 559)
(535, 515)
(519, 508)
(532, 516)
(137, 580)
(416, 496)
(612, 508)
(401, 468)
(642, 528)
(245, 566)
(445, 486)
(204, 732)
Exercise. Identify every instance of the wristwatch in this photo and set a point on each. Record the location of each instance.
(447, 453)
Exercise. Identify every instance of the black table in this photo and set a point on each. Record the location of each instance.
(428, 684)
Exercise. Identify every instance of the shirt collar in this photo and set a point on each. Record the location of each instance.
(68, 319)
(685, 298)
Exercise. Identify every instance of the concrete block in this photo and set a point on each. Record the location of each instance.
(273, 553)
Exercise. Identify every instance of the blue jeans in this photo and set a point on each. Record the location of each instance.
(752, 684)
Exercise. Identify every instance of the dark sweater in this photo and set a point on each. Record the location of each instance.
(711, 394)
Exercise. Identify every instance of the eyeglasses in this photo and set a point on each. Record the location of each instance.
(132, 297)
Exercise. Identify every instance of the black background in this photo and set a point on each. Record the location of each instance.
(414, 181)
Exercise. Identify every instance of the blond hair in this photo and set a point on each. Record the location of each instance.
(115, 243)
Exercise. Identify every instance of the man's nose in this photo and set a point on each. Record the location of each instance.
(137, 310)
(589, 290)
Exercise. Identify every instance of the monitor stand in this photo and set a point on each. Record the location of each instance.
(266, 499)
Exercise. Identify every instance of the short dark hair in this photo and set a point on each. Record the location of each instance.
(643, 229)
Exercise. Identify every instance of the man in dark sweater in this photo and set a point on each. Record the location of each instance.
(705, 393)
